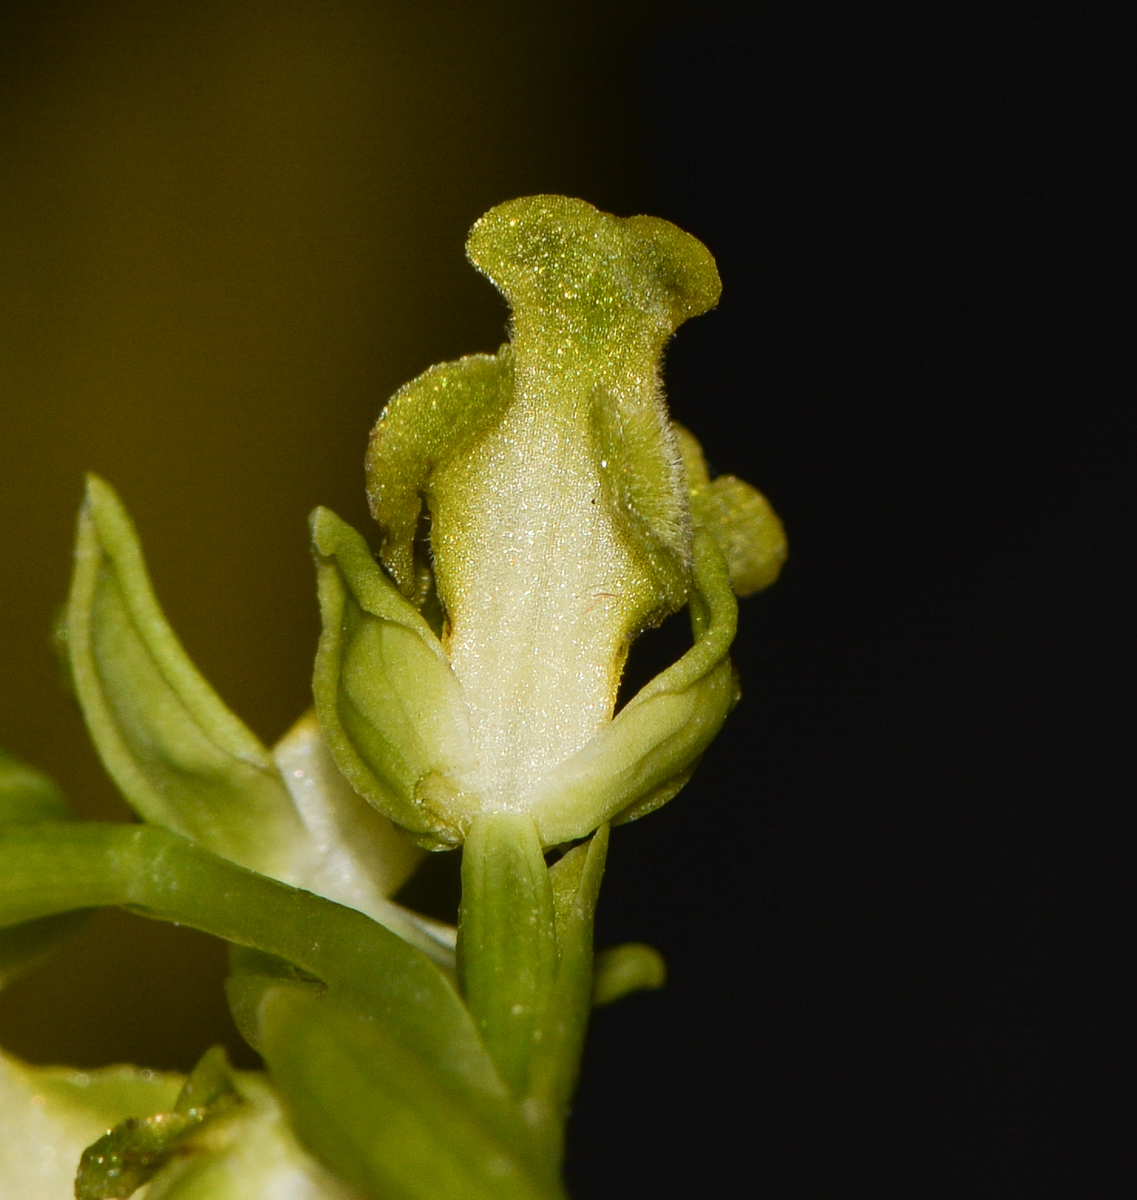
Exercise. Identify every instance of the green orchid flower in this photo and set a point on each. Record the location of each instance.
(538, 509)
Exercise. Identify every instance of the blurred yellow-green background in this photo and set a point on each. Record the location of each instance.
(227, 232)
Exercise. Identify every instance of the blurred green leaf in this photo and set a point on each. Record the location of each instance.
(249, 1153)
(382, 1118)
(29, 795)
(130, 1154)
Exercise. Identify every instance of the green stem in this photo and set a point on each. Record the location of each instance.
(51, 868)
(507, 942)
(525, 961)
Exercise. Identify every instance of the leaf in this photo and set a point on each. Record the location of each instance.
(619, 971)
(178, 755)
(382, 1119)
(54, 868)
(224, 1138)
(390, 707)
(645, 755)
(507, 943)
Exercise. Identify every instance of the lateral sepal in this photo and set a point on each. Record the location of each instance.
(391, 708)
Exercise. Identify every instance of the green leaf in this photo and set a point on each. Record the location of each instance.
(28, 795)
(507, 943)
(121, 1161)
(390, 707)
(621, 970)
(54, 868)
(380, 1118)
(178, 755)
(643, 757)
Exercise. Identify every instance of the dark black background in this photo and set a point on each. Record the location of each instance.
(887, 899)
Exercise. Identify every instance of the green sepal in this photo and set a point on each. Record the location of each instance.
(184, 761)
(248, 1154)
(426, 423)
(130, 1155)
(575, 882)
(746, 529)
(225, 1138)
(29, 795)
(134, 1151)
(618, 971)
(52, 868)
(177, 754)
(507, 942)
(391, 709)
(739, 518)
(384, 1120)
(645, 755)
